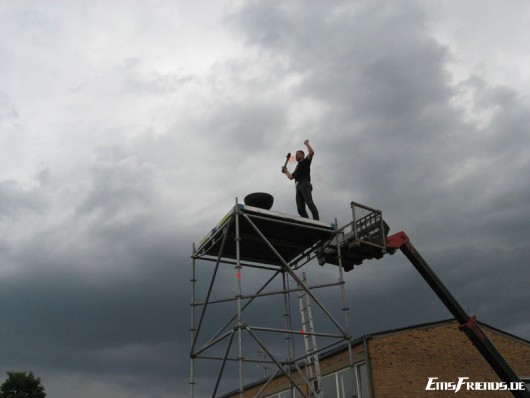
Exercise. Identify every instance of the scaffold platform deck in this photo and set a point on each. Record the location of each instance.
(291, 236)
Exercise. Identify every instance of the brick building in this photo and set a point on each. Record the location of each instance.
(400, 363)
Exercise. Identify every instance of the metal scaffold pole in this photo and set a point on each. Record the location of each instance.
(345, 307)
(239, 295)
(289, 340)
(192, 327)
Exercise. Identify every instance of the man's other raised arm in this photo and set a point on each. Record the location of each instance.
(310, 150)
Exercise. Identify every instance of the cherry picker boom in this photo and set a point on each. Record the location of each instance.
(366, 237)
(468, 324)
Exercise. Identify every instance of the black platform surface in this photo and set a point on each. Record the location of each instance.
(291, 236)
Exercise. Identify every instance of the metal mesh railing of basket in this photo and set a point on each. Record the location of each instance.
(367, 224)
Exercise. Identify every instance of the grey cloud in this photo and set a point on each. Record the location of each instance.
(122, 320)
(250, 125)
(101, 290)
(155, 84)
(119, 183)
(381, 89)
(8, 112)
(15, 200)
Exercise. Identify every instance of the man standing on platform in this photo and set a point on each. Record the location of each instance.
(302, 178)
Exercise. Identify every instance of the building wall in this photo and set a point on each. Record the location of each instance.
(402, 362)
(327, 365)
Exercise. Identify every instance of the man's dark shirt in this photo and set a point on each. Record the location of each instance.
(303, 170)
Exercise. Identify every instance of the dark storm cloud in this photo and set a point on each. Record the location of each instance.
(102, 290)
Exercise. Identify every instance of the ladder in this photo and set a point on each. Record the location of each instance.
(310, 341)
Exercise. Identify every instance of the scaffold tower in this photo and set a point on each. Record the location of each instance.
(242, 311)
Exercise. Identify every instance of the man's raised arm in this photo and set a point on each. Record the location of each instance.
(310, 150)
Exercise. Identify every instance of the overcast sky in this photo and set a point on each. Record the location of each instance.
(128, 128)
